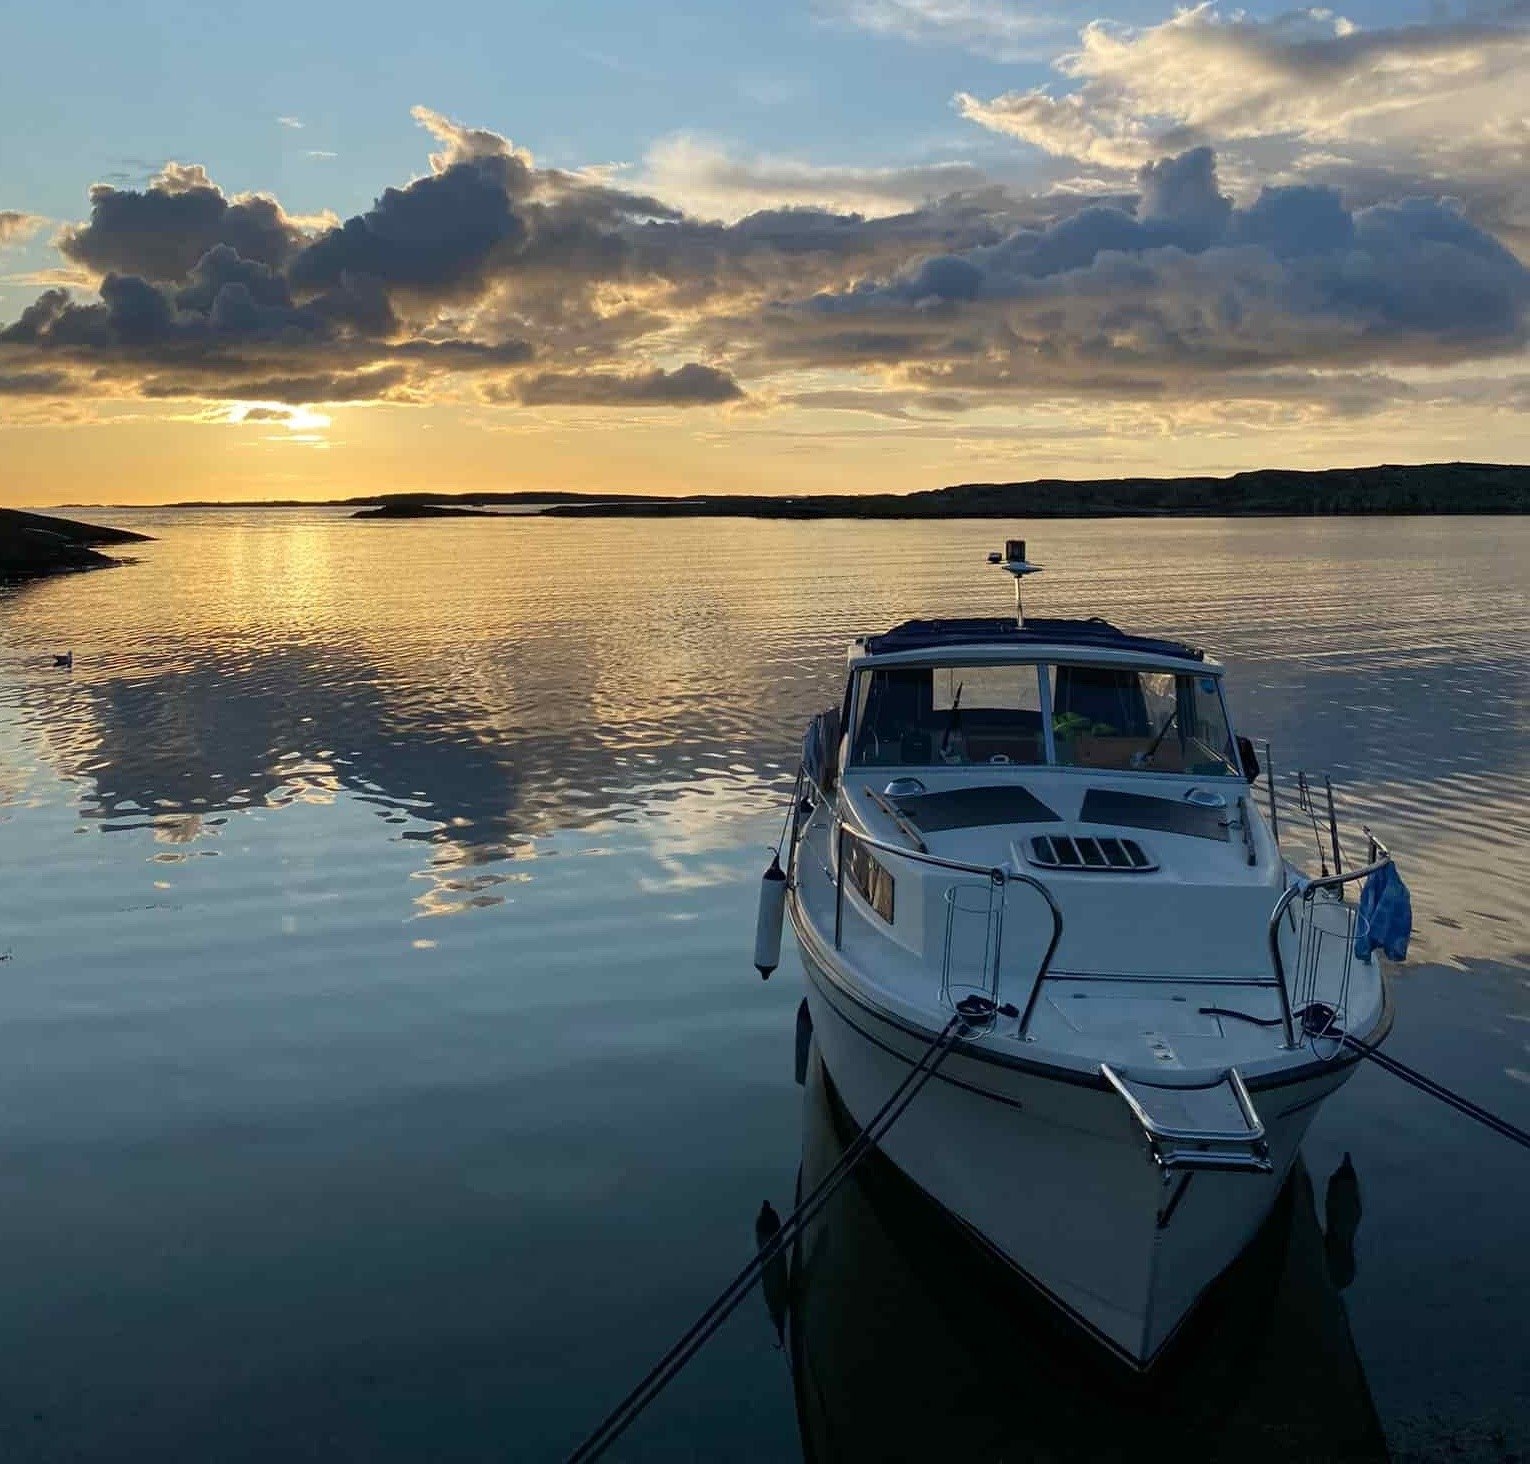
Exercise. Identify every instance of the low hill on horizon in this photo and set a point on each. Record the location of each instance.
(1386, 488)
(1430, 488)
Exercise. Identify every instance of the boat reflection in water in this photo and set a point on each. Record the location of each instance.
(907, 1342)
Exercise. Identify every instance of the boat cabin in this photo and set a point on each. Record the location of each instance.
(1051, 693)
(1102, 762)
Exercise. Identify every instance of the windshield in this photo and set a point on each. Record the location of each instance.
(922, 715)
(1153, 721)
(1122, 718)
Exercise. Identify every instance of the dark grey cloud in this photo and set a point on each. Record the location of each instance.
(36, 383)
(160, 232)
(485, 262)
(36, 319)
(1189, 280)
(370, 384)
(233, 330)
(436, 235)
(546, 287)
(689, 385)
(227, 302)
(484, 213)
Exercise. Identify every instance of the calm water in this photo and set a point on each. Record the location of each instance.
(383, 1074)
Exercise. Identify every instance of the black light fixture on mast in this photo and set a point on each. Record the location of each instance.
(1013, 561)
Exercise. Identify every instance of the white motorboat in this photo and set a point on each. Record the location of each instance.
(1050, 827)
(898, 1336)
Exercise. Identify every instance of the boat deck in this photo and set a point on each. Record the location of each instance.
(1179, 1028)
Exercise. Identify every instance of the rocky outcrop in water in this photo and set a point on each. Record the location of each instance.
(408, 510)
(34, 544)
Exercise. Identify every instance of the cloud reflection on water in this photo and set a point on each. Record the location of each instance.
(485, 687)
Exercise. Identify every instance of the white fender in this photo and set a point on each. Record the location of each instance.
(767, 930)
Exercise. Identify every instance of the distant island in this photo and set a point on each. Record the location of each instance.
(1433, 488)
(35, 544)
(407, 508)
(1421, 488)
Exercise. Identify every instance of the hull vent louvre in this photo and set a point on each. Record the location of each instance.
(1106, 854)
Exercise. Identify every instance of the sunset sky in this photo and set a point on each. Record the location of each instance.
(851, 245)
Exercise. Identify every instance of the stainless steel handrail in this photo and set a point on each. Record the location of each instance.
(1251, 1133)
(993, 873)
(903, 825)
(1269, 790)
(1305, 890)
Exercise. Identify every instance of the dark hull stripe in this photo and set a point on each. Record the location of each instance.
(875, 1041)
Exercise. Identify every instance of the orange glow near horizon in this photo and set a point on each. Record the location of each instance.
(249, 452)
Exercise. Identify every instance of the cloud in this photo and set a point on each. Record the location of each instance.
(1004, 32)
(491, 278)
(708, 181)
(1066, 127)
(1204, 77)
(484, 261)
(161, 232)
(483, 214)
(899, 405)
(68, 277)
(224, 301)
(1307, 94)
(437, 235)
(16, 226)
(1185, 284)
(373, 384)
(35, 383)
(686, 386)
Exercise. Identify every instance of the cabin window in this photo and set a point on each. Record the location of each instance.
(953, 715)
(870, 877)
(1123, 718)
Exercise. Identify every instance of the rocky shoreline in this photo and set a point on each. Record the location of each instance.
(37, 544)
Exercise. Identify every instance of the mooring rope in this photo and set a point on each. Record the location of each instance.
(791, 810)
(1387, 1063)
(1425, 1084)
(667, 1367)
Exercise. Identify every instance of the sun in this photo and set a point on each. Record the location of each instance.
(279, 414)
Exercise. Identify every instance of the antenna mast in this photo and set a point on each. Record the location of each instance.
(1013, 561)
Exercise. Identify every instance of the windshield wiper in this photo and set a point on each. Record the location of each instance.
(955, 719)
(1158, 737)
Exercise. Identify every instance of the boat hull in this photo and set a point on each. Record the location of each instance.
(1053, 1175)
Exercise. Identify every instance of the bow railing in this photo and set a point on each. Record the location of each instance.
(995, 879)
(1311, 937)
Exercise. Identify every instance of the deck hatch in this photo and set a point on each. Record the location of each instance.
(973, 807)
(1083, 851)
(1142, 811)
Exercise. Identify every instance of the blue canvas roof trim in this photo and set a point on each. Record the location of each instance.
(915, 635)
